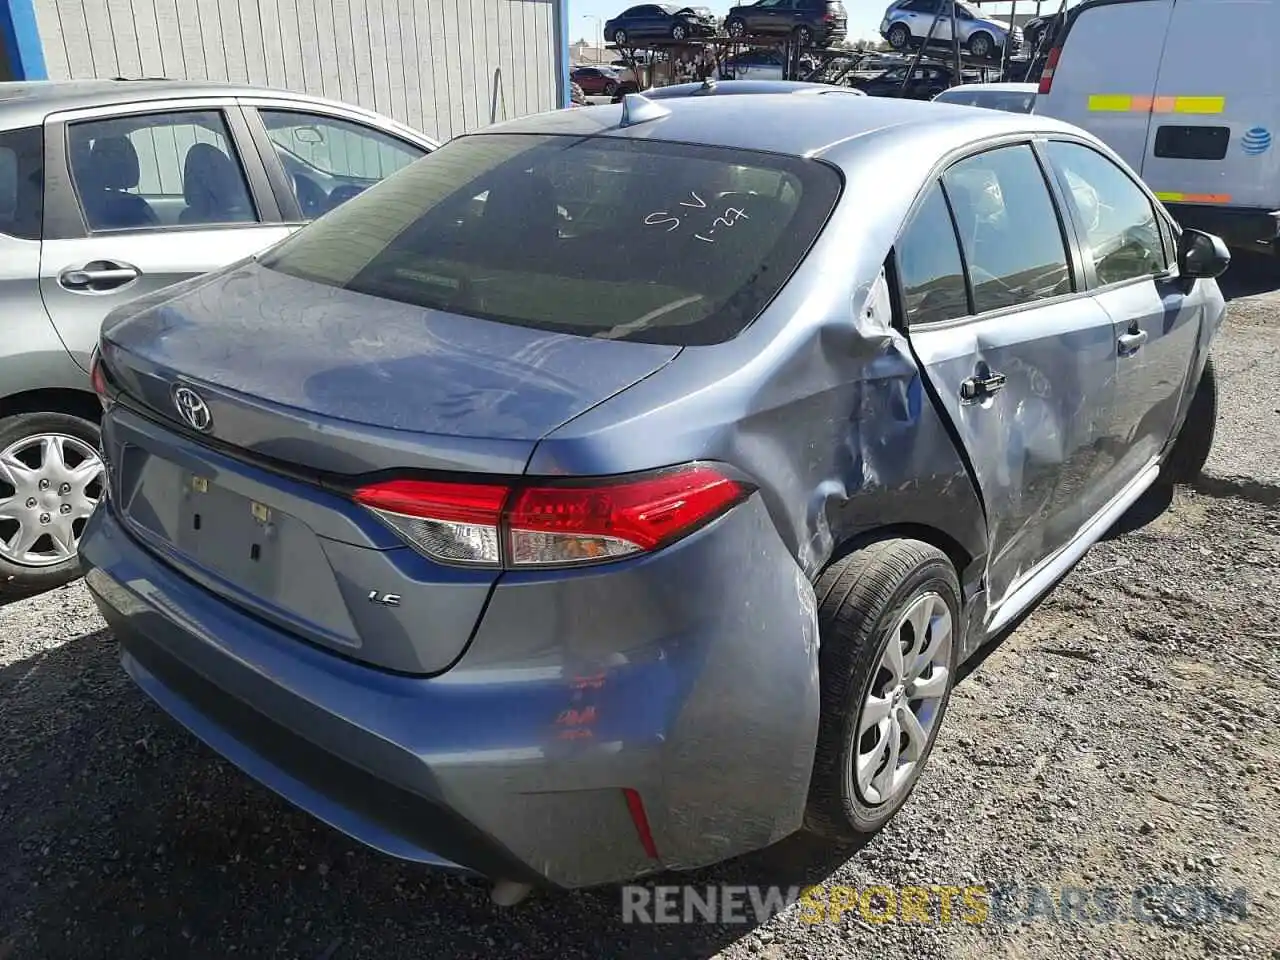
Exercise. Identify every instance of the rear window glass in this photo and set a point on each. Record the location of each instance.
(1011, 101)
(600, 237)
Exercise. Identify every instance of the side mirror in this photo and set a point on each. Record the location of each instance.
(1202, 255)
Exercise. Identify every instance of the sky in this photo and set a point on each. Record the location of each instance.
(864, 15)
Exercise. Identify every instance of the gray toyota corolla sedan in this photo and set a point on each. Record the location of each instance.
(620, 489)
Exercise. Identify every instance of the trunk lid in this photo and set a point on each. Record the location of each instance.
(323, 381)
(289, 363)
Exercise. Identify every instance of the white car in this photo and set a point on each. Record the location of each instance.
(1010, 97)
(906, 24)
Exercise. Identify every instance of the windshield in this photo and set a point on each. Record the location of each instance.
(600, 237)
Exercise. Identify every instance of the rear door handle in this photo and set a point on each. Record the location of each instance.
(980, 387)
(1131, 342)
(99, 276)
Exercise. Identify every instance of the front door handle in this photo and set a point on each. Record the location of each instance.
(979, 387)
(1131, 342)
(100, 276)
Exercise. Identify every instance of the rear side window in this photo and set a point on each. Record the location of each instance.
(599, 237)
(1192, 143)
(1009, 228)
(21, 182)
(929, 264)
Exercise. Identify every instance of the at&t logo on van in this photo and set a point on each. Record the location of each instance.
(1256, 140)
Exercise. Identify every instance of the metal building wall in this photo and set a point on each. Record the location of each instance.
(443, 66)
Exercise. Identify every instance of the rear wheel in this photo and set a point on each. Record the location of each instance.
(899, 36)
(620, 37)
(736, 28)
(679, 31)
(1191, 449)
(889, 617)
(804, 37)
(50, 481)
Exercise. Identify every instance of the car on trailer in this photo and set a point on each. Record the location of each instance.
(659, 21)
(810, 23)
(907, 24)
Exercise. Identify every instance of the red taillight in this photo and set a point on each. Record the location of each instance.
(98, 377)
(1046, 75)
(552, 524)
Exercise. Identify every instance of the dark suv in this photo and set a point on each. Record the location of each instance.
(811, 22)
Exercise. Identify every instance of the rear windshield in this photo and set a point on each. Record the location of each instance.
(600, 237)
(1011, 101)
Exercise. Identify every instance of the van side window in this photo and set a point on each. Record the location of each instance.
(1009, 228)
(1121, 225)
(929, 264)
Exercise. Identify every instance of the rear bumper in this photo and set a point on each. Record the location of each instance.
(511, 765)
(1238, 226)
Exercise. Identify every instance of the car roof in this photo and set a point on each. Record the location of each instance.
(786, 124)
(755, 87)
(992, 88)
(26, 103)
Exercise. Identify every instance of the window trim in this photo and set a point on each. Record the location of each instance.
(64, 218)
(1066, 230)
(1092, 283)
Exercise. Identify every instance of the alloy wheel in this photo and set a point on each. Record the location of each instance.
(904, 701)
(49, 485)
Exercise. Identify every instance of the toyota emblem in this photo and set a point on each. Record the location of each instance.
(192, 409)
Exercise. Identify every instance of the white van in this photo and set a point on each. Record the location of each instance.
(1188, 92)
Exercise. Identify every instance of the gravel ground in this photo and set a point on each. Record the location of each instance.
(1127, 734)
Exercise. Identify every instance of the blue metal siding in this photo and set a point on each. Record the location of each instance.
(23, 52)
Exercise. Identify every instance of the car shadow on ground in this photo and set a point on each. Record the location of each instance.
(124, 836)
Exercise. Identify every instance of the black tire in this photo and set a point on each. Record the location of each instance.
(619, 37)
(1190, 450)
(610, 89)
(804, 37)
(899, 36)
(982, 45)
(860, 600)
(679, 31)
(17, 579)
(736, 28)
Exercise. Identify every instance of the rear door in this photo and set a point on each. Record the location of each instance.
(1214, 116)
(1019, 356)
(1129, 265)
(1105, 78)
(141, 196)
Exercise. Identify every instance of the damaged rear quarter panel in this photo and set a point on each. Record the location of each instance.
(819, 401)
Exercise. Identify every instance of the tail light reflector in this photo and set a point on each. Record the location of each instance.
(453, 522)
(640, 819)
(1046, 75)
(98, 377)
(552, 524)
